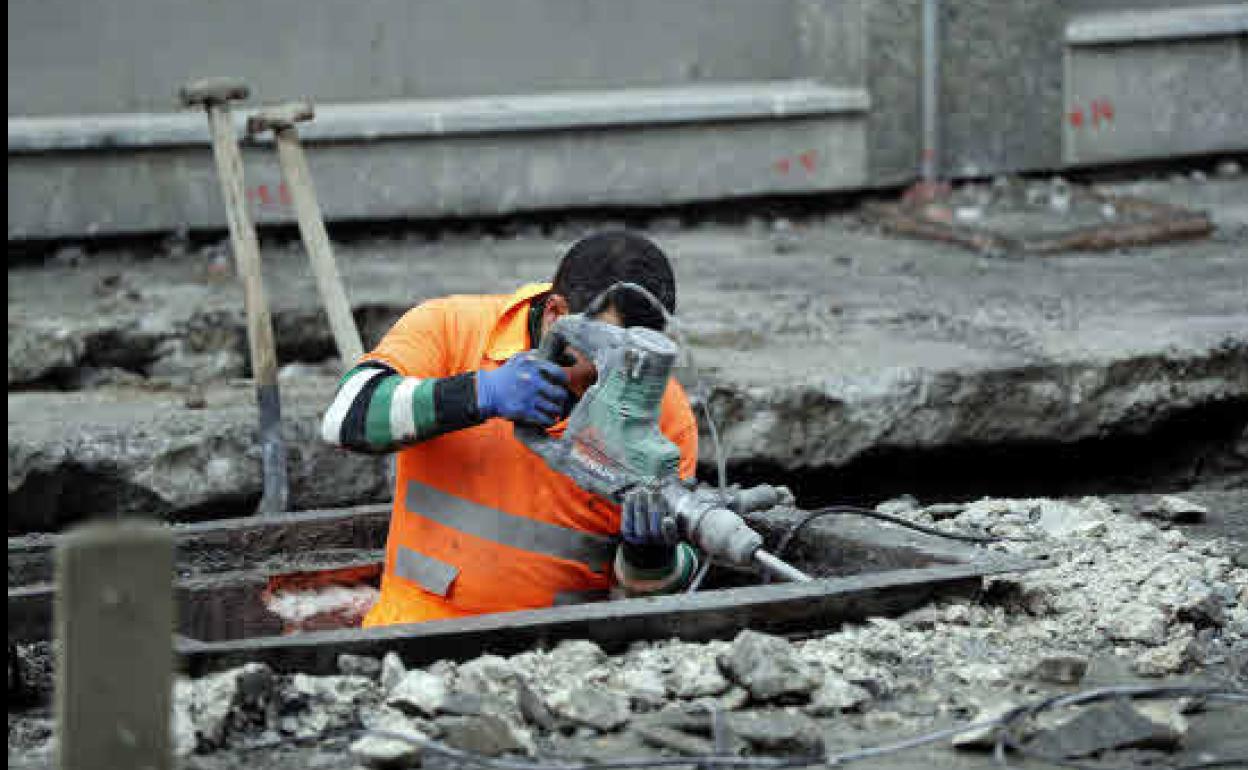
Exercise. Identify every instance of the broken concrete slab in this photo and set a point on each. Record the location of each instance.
(1115, 725)
(484, 734)
(601, 710)
(418, 693)
(776, 730)
(768, 667)
(836, 694)
(1177, 509)
(883, 346)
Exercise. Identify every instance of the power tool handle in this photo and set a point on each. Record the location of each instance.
(554, 348)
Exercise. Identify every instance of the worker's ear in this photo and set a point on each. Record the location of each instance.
(556, 308)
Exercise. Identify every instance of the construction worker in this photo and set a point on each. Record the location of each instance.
(480, 523)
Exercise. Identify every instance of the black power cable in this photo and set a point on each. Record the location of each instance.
(1003, 723)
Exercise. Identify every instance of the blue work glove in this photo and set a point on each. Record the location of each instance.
(645, 518)
(524, 389)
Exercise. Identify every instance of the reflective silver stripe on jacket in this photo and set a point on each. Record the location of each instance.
(508, 529)
(425, 571)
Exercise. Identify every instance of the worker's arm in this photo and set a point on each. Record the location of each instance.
(647, 566)
(413, 386)
(376, 409)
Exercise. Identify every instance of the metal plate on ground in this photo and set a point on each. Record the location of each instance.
(1013, 216)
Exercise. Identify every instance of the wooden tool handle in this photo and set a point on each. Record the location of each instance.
(275, 496)
(316, 241)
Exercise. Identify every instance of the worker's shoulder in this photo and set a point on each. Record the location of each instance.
(675, 403)
(466, 303)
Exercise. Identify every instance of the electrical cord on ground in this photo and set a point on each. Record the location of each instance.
(1002, 723)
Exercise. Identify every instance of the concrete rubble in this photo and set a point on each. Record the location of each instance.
(1119, 597)
(822, 347)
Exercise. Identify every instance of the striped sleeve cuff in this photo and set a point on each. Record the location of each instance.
(378, 410)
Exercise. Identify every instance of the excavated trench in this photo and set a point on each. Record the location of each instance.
(1203, 447)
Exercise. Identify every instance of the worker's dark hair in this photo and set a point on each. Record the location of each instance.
(597, 261)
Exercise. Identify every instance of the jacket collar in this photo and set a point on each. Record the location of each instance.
(511, 332)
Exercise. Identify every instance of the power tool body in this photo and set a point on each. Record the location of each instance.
(612, 443)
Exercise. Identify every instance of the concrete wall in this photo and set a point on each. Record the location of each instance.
(662, 101)
(84, 56)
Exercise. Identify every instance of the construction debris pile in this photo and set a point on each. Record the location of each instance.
(1132, 596)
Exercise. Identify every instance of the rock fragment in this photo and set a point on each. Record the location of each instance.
(644, 686)
(676, 740)
(578, 652)
(601, 710)
(1106, 726)
(1170, 658)
(313, 705)
(696, 676)
(1202, 608)
(898, 506)
(358, 665)
(533, 709)
(836, 695)
(1061, 669)
(486, 675)
(219, 704)
(418, 692)
(1176, 509)
(485, 734)
(1138, 623)
(1228, 169)
(1062, 520)
(776, 730)
(768, 667)
(392, 671)
(384, 753)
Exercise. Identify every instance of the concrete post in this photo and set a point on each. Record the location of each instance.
(114, 662)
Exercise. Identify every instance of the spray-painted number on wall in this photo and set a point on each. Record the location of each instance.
(267, 196)
(807, 160)
(1098, 112)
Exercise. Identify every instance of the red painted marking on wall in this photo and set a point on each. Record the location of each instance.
(783, 165)
(1102, 109)
(1099, 111)
(265, 197)
(808, 159)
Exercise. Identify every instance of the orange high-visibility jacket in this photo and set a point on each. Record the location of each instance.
(480, 523)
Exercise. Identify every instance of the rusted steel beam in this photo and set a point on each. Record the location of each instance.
(227, 605)
(782, 608)
(231, 544)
